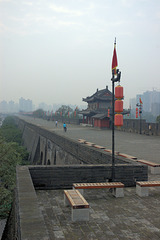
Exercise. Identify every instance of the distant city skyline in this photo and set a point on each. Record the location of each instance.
(28, 106)
(150, 102)
(150, 99)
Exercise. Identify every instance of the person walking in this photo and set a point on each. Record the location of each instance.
(56, 123)
(64, 127)
(150, 129)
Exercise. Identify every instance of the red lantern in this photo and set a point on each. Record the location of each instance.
(136, 112)
(118, 120)
(108, 112)
(119, 92)
(118, 106)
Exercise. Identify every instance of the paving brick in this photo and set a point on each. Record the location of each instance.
(129, 218)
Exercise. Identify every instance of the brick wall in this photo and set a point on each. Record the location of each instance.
(56, 177)
(29, 222)
(133, 125)
(73, 151)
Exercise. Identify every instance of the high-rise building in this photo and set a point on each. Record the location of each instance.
(11, 106)
(155, 109)
(150, 99)
(4, 107)
(25, 105)
(132, 103)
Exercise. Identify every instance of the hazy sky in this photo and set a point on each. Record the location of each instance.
(59, 51)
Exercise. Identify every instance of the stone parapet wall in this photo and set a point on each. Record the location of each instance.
(30, 222)
(70, 151)
(133, 125)
(56, 177)
(19, 123)
(76, 121)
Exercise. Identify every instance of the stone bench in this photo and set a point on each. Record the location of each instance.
(81, 140)
(127, 156)
(155, 167)
(142, 187)
(80, 207)
(86, 142)
(98, 146)
(116, 186)
(89, 144)
(110, 151)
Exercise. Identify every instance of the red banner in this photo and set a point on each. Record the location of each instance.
(114, 59)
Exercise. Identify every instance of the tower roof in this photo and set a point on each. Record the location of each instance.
(103, 95)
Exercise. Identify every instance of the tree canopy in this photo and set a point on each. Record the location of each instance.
(64, 109)
(158, 119)
(39, 113)
(11, 155)
(10, 132)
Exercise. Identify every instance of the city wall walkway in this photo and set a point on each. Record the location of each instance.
(141, 146)
(131, 217)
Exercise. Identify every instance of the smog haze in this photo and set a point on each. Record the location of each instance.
(61, 51)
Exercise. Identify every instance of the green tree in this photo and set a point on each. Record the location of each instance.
(9, 158)
(158, 119)
(10, 132)
(75, 113)
(11, 155)
(64, 109)
(39, 113)
(5, 202)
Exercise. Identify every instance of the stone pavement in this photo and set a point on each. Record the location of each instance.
(131, 217)
(141, 146)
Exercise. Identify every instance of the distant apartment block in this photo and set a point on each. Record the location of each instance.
(45, 106)
(155, 109)
(4, 106)
(132, 103)
(8, 107)
(25, 105)
(151, 102)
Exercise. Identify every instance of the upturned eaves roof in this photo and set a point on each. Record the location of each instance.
(103, 95)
